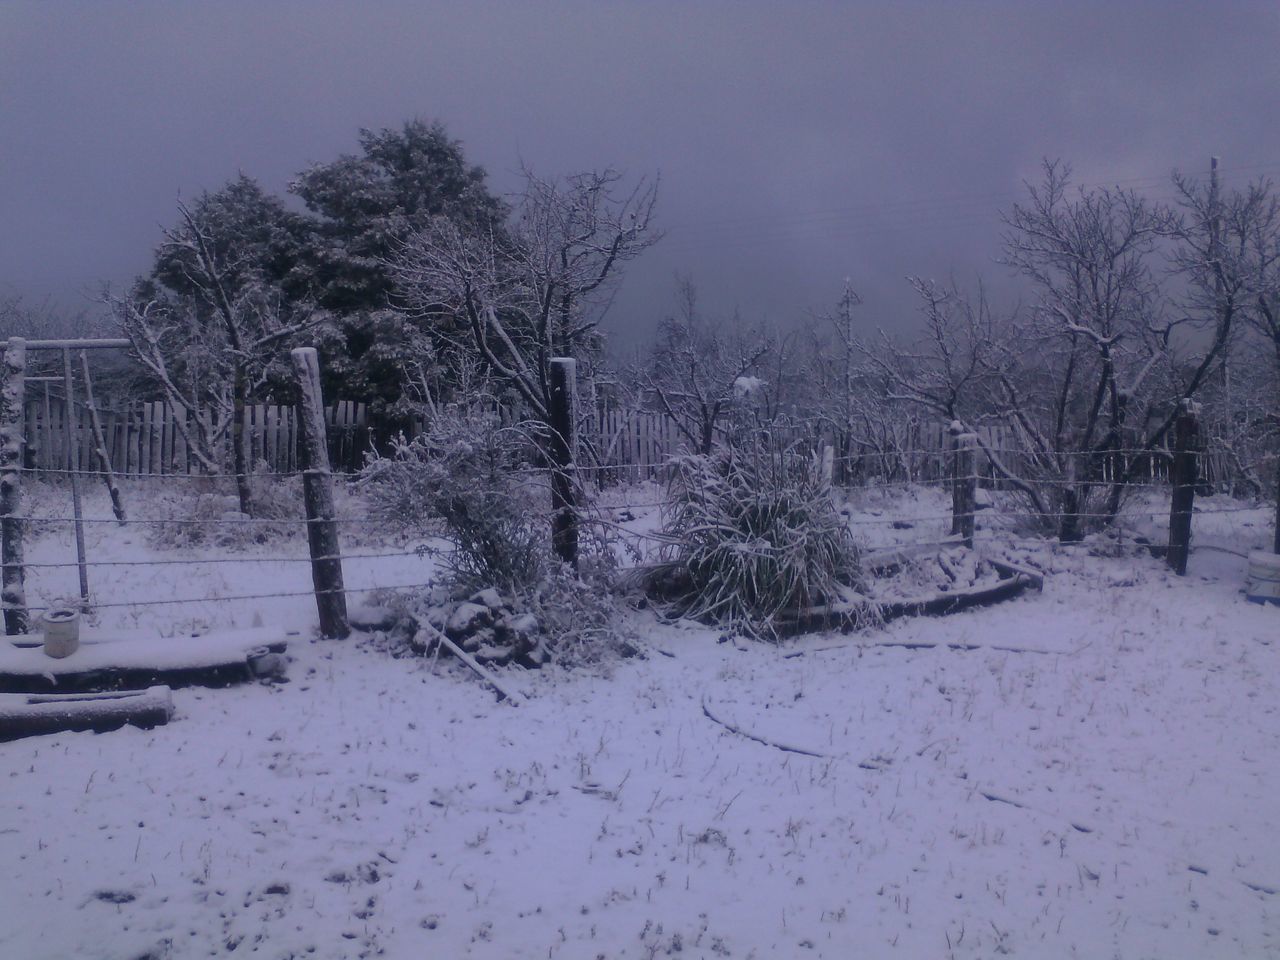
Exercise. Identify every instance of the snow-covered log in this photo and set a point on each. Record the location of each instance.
(846, 616)
(105, 662)
(30, 715)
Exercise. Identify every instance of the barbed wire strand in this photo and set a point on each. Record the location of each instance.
(246, 596)
(167, 561)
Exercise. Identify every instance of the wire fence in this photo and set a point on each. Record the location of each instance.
(1004, 520)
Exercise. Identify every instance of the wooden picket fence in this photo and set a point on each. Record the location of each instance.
(144, 439)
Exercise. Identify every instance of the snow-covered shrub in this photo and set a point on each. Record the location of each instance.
(752, 532)
(466, 485)
(459, 482)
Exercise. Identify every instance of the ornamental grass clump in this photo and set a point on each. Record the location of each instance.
(753, 534)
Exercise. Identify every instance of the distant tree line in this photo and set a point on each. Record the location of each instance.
(421, 287)
(1135, 308)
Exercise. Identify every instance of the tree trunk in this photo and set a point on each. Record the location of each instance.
(1276, 547)
(708, 433)
(564, 516)
(239, 440)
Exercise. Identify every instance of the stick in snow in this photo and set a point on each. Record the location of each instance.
(758, 739)
(470, 661)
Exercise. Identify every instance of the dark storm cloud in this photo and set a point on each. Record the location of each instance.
(798, 144)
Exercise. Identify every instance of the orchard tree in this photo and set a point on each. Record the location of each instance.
(213, 321)
(694, 365)
(1096, 334)
(946, 373)
(1246, 226)
(517, 299)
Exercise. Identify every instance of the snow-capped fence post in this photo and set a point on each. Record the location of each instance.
(1184, 475)
(964, 482)
(563, 416)
(12, 404)
(317, 493)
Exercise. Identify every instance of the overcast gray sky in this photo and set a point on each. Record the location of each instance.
(798, 143)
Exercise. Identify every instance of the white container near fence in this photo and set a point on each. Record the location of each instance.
(1264, 577)
(61, 632)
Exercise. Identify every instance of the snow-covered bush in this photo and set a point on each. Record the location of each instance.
(752, 532)
(459, 482)
(466, 486)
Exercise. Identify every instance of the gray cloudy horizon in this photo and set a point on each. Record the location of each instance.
(799, 144)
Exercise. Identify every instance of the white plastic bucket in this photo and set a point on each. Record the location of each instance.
(1264, 577)
(61, 632)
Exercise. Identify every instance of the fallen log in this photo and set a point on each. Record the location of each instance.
(130, 662)
(30, 715)
(850, 614)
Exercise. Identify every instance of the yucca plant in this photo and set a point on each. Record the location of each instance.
(754, 533)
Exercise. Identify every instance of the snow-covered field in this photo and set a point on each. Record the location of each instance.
(1109, 790)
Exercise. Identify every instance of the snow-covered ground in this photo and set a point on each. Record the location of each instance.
(1109, 791)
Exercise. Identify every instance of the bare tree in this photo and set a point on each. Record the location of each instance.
(1096, 334)
(212, 340)
(1246, 225)
(694, 365)
(535, 292)
(520, 298)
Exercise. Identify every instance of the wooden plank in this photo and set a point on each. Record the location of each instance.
(166, 438)
(88, 448)
(157, 437)
(144, 445)
(259, 449)
(126, 439)
(269, 436)
(180, 459)
(46, 441)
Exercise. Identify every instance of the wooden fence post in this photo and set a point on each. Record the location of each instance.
(964, 482)
(73, 471)
(1184, 475)
(317, 492)
(564, 514)
(12, 390)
